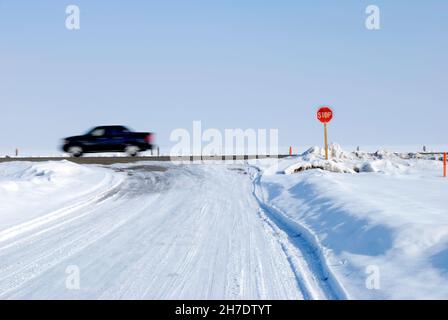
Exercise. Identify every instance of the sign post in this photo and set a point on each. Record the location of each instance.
(325, 115)
(326, 140)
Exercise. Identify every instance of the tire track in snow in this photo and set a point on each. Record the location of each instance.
(312, 273)
(51, 251)
(54, 216)
(31, 267)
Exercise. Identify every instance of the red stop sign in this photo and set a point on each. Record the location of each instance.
(324, 114)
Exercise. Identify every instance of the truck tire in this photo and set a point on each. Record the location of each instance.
(131, 150)
(75, 151)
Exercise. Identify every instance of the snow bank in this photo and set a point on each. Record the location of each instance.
(345, 162)
(32, 190)
(391, 217)
(314, 158)
(17, 172)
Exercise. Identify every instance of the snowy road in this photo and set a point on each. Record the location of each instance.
(190, 232)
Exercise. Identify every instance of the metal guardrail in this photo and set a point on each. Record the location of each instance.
(124, 159)
(112, 160)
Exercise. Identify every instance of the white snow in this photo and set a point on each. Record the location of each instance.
(39, 190)
(391, 217)
(192, 232)
(298, 228)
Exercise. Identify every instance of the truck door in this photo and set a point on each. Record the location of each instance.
(97, 141)
(116, 139)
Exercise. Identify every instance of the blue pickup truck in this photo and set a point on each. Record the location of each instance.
(109, 139)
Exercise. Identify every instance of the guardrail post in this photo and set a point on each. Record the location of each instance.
(444, 164)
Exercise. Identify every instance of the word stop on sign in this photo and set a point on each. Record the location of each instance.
(324, 115)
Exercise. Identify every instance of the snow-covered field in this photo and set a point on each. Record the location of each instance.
(357, 227)
(390, 220)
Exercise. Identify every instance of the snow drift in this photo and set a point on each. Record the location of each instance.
(388, 215)
(42, 190)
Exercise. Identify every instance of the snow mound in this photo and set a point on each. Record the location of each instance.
(335, 151)
(329, 165)
(29, 190)
(341, 161)
(382, 166)
(45, 171)
(384, 154)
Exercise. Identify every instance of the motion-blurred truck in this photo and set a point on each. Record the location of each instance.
(109, 139)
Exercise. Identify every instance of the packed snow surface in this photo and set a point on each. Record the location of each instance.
(359, 226)
(169, 232)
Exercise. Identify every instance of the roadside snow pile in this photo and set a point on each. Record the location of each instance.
(29, 190)
(334, 151)
(383, 166)
(314, 158)
(383, 232)
(38, 172)
(345, 162)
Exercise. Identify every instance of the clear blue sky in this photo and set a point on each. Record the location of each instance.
(159, 65)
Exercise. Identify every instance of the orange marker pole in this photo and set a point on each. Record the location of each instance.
(444, 164)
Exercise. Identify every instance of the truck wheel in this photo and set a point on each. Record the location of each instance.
(132, 150)
(75, 151)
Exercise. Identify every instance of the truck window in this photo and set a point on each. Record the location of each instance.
(115, 131)
(98, 132)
